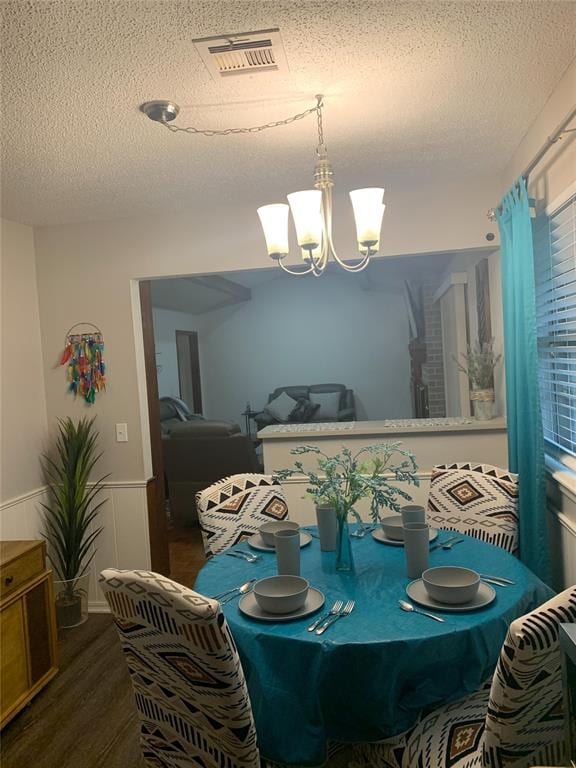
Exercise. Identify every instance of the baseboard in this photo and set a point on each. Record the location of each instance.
(97, 606)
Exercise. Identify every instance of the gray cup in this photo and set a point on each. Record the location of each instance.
(288, 552)
(326, 517)
(412, 513)
(416, 548)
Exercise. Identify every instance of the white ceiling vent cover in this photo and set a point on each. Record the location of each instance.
(245, 52)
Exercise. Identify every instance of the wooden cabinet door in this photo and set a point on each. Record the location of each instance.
(13, 665)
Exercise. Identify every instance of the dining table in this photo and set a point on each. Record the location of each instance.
(372, 673)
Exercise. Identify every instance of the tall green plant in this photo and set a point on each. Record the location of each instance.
(72, 506)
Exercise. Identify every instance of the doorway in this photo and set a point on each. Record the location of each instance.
(175, 553)
(188, 358)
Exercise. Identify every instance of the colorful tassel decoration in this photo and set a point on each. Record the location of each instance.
(85, 367)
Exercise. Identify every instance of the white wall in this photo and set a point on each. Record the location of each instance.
(166, 323)
(309, 332)
(22, 396)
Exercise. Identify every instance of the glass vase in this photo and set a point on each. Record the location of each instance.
(344, 560)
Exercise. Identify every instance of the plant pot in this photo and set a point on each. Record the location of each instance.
(71, 599)
(482, 404)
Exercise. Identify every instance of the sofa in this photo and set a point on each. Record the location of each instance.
(198, 452)
(340, 399)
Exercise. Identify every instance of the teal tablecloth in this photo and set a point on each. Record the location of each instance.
(369, 676)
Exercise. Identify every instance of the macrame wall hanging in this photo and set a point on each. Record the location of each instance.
(83, 358)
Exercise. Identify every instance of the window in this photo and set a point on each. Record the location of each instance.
(555, 270)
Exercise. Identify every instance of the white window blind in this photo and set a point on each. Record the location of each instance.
(555, 272)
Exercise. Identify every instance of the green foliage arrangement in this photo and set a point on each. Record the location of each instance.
(480, 363)
(72, 506)
(342, 480)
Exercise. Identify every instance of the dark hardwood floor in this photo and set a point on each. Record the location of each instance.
(86, 717)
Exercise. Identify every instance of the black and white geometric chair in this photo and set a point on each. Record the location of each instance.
(188, 682)
(234, 509)
(477, 499)
(515, 721)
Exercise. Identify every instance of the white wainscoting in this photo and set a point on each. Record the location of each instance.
(123, 543)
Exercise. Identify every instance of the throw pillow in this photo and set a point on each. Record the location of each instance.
(329, 403)
(281, 407)
(303, 411)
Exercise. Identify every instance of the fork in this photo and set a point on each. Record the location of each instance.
(336, 608)
(248, 556)
(346, 611)
(361, 532)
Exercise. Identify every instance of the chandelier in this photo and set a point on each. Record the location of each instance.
(312, 214)
(311, 209)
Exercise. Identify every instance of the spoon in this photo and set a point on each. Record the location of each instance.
(227, 592)
(244, 589)
(410, 608)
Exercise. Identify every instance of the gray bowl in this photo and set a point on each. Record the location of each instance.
(392, 527)
(281, 594)
(267, 530)
(451, 584)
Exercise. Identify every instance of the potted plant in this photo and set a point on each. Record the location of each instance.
(480, 364)
(70, 513)
(342, 480)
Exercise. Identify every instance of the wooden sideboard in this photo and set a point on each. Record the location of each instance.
(28, 649)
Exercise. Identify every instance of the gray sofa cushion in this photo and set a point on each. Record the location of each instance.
(203, 428)
(281, 407)
(329, 403)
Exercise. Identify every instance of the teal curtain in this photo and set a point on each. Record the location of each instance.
(525, 436)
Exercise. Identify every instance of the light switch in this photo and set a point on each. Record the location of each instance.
(121, 433)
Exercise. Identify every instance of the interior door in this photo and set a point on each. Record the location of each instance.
(189, 369)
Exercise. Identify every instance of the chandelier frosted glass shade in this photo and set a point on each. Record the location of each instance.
(306, 210)
(368, 212)
(274, 220)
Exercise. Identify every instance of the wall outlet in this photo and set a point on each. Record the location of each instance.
(121, 433)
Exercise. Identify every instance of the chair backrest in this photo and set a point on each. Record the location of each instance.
(525, 719)
(234, 509)
(189, 685)
(477, 499)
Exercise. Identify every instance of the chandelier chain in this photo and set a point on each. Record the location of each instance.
(252, 129)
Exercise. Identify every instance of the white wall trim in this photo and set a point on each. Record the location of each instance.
(563, 476)
(98, 606)
(559, 201)
(563, 519)
(454, 278)
(35, 492)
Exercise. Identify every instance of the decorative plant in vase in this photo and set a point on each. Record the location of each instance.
(342, 480)
(480, 364)
(70, 513)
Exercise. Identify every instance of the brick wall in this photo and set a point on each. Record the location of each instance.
(433, 369)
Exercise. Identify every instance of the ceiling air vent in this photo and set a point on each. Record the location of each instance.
(245, 52)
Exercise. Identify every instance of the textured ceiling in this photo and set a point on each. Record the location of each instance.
(412, 88)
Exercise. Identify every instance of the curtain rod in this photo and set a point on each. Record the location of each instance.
(555, 136)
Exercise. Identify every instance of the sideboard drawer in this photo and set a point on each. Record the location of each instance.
(22, 569)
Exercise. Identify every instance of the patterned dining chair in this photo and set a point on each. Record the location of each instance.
(514, 721)
(188, 682)
(234, 509)
(477, 499)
